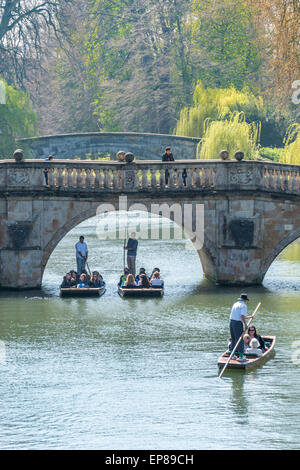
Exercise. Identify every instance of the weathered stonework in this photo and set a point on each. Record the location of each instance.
(143, 146)
(245, 228)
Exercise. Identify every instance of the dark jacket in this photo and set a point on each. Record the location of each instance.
(168, 158)
(66, 283)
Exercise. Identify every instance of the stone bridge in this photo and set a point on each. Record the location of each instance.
(251, 210)
(143, 146)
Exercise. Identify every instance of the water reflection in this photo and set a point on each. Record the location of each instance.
(142, 373)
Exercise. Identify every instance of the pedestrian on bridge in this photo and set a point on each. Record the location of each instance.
(81, 254)
(46, 170)
(169, 157)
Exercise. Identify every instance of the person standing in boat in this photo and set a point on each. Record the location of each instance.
(131, 248)
(238, 319)
(81, 254)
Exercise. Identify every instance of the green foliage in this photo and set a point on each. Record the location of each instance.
(291, 152)
(17, 119)
(271, 153)
(232, 134)
(217, 104)
(225, 42)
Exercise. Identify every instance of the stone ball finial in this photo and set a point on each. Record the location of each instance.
(121, 156)
(239, 155)
(224, 154)
(18, 155)
(129, 157)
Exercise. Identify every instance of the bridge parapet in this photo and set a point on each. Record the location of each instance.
(212, 175)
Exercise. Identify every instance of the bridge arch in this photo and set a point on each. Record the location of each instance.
(275, 252)
(90, 212)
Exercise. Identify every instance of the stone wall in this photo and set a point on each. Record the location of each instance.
(143, 146)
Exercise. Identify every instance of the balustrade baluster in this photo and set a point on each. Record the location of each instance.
(114, 179)
(70, 177)
(106, 178)
(286, 179)
(197, 178)
(81, 178)
(144, 179)
(97, 179)
(180, 180)
(171, 178)
(76, 178)
(87, 178)
(189, 178)
(162, 180)
(51, 177)
(207, 177)
(60, 177)
(270, 178)
(278, 180)
(266, 178)
(153, 178)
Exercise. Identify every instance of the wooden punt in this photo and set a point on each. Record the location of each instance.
(82, 291)
(253, 361)
(138, 292)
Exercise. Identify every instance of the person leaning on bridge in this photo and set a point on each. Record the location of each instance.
(81, 254)
(131, 248)
(46, 170)
(169, 157)
(238, 318)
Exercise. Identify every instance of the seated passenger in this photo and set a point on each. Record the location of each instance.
(154, 271)
(67, 281)
(142, 271)
(130, 281)
(144, 281)
(96, 280)
(123, 277)
(253, 334)
(156, 281)
(254, 348)
(74, 278)
(83, 281)
(246, 341)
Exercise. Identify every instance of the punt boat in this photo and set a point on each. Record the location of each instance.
(82, 291)
(253, 361)
(139, 292)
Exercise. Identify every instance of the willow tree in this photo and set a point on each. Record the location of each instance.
(232, 134)
(217, 104)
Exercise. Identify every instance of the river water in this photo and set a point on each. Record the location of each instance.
(114, 373)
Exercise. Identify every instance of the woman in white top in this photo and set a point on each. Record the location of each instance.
(254, 348)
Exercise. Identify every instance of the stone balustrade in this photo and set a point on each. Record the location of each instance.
(199, 175)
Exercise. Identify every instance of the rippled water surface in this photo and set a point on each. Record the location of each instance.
(114, 373)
